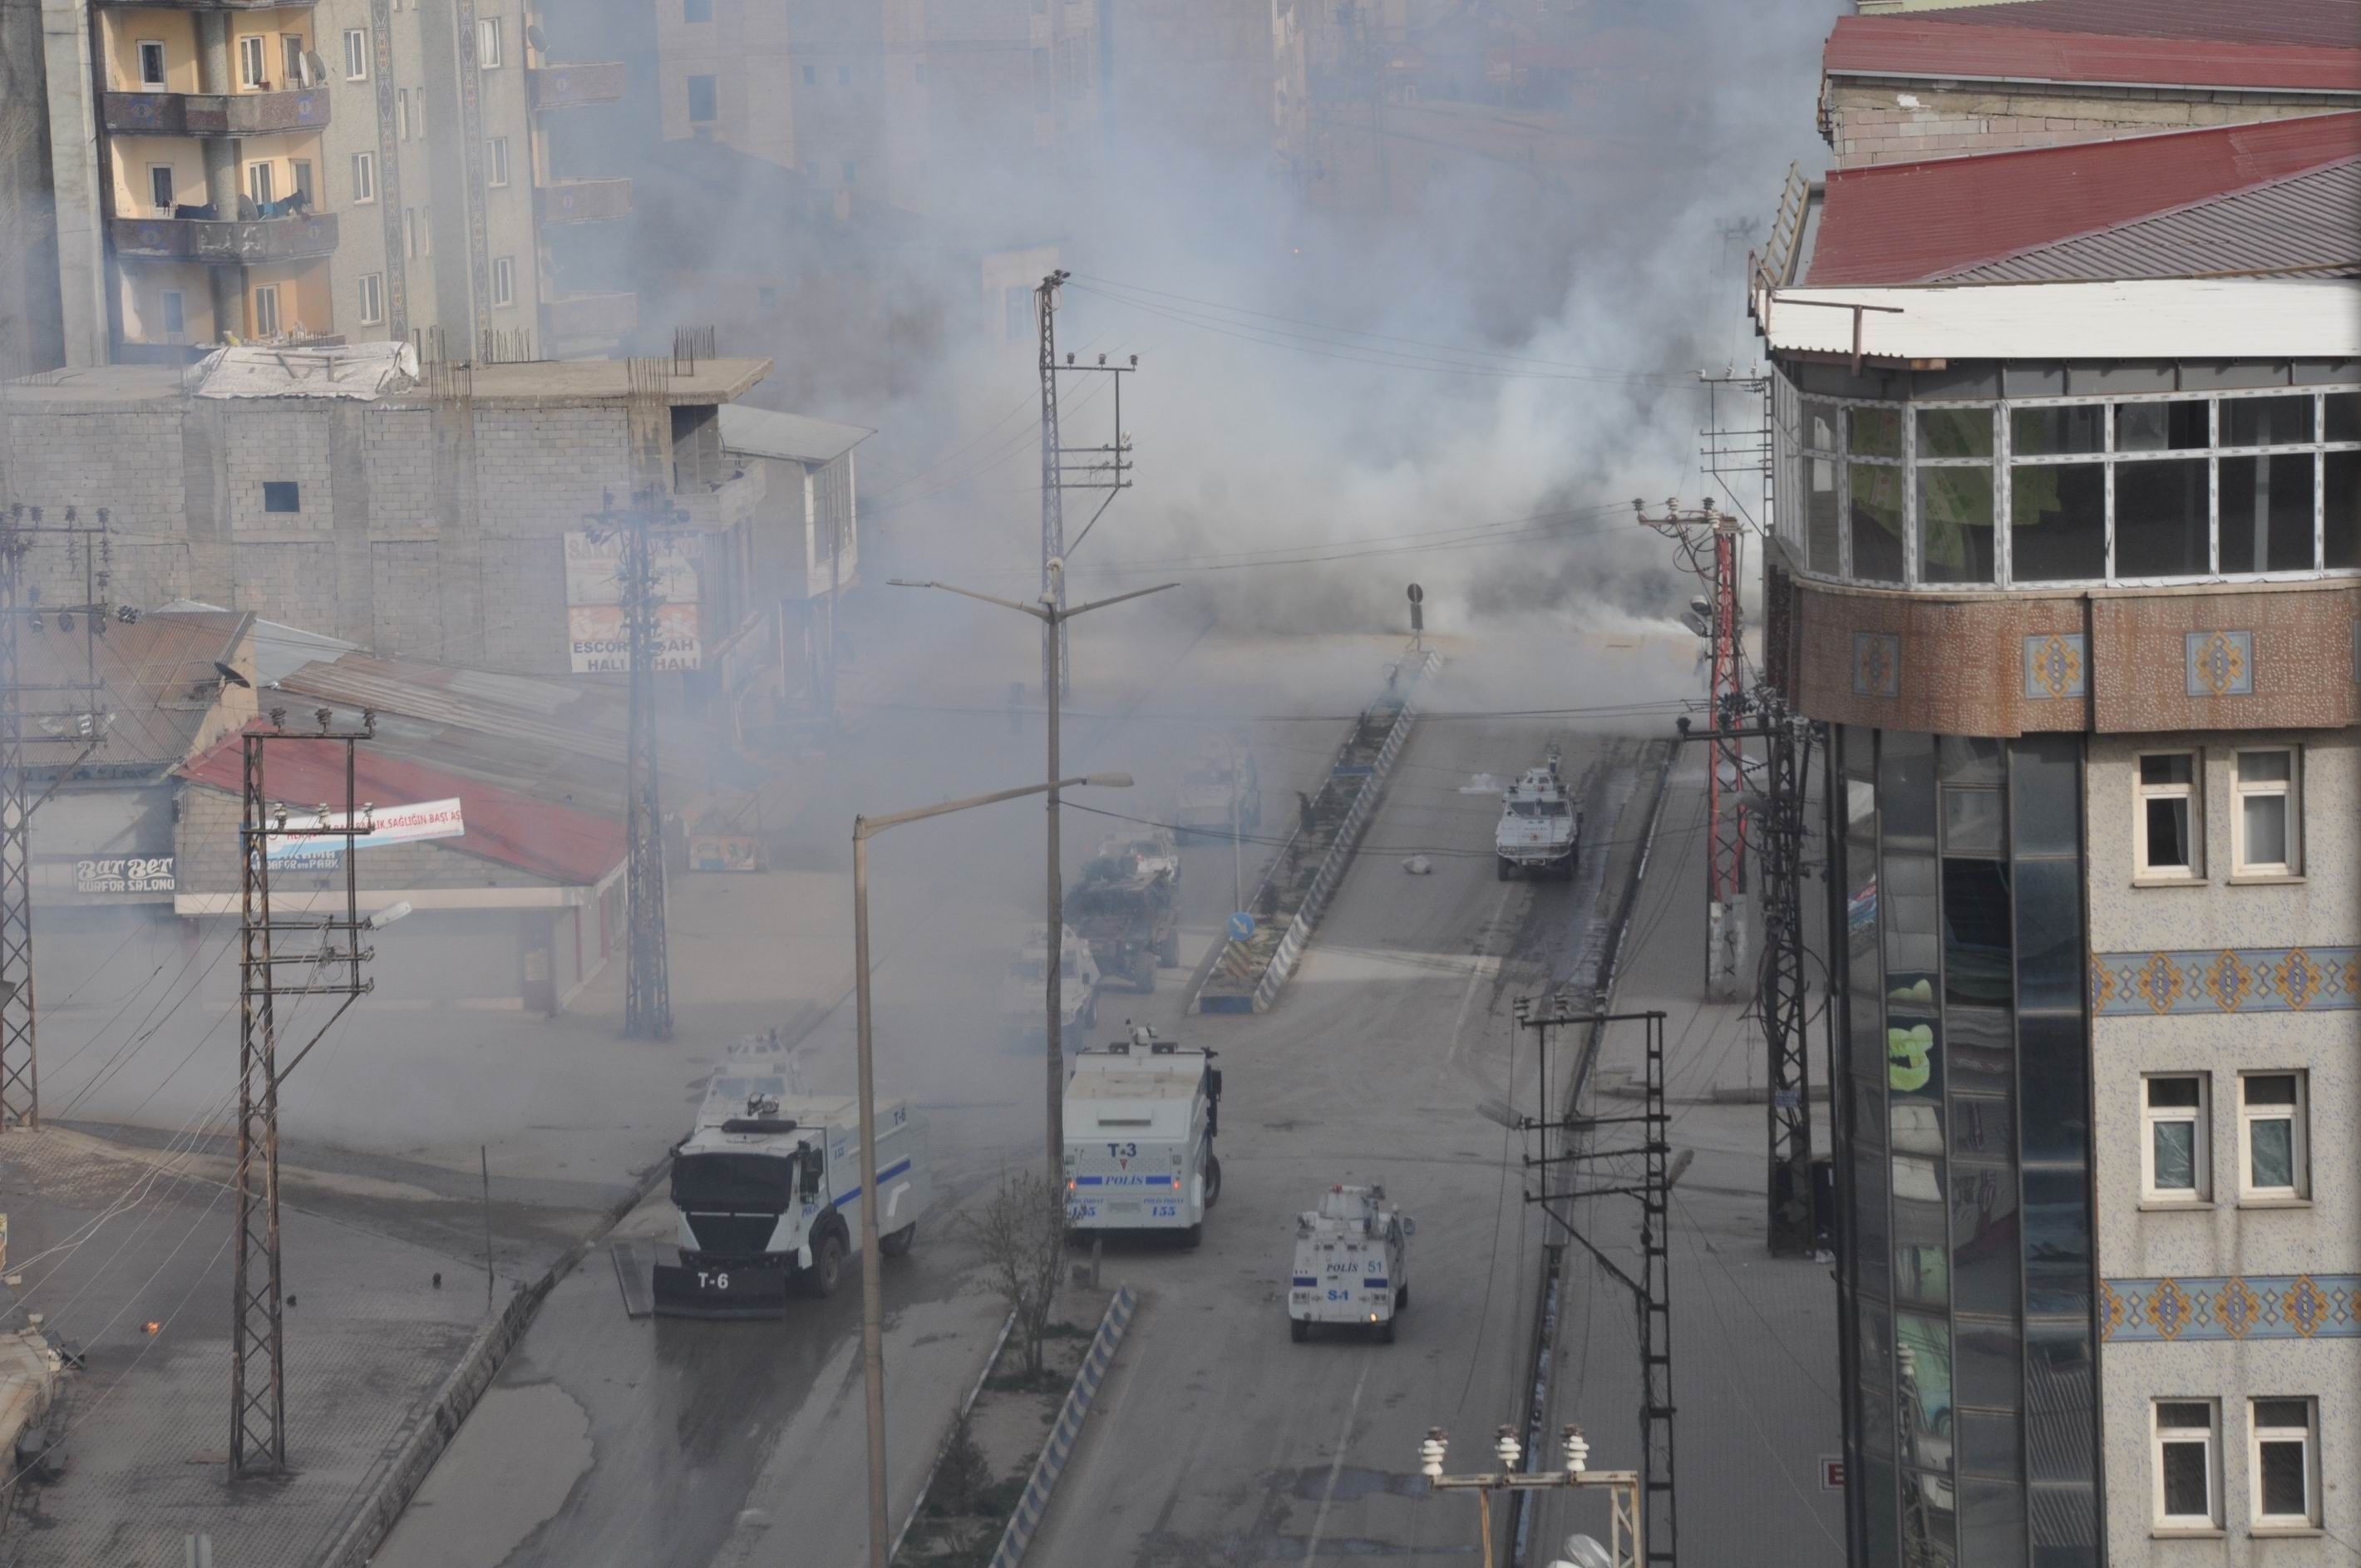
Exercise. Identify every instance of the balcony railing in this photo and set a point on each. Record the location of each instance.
(591, 319)
(263, 240)
(564, 86)
(584, 201)
(215, 113)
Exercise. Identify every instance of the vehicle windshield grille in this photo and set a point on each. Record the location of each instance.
(749, 1183)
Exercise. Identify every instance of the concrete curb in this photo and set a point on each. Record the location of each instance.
(918, 1504)
(1062, 1437)
(438, 1423)
(1341, 849)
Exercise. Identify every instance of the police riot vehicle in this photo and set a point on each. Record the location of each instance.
(1539, 829)
(1352, 1264)
(769, 1192)
(1141, 1115)
(1024, 991)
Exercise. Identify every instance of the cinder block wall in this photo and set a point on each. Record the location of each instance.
(1866, 121)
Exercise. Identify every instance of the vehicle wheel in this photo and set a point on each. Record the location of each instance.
(894, 1243)
(827, 1271)
(1298, 1330)
(1505, 869)
(1402, 1299)
(1386, 1331)
(1167, 952)
(1193, 1236)
(1212, 1181)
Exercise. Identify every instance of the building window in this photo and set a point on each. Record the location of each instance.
(1956, 536)
(503, 280)
(265, 319)
(694, 11)
(280, 494)
(700, 100)
(496, 161)
(1823, 520)
(811, 75)
(176, 315)
(401, 113)
(410, 233)
(852, 172)
(2175, 1163)
(1044, 99)
(160, 188)
(299, 69)
(425, 231)
(151, 63)
(363, 179)
(2170, 826)
(2187, 1494)
(372, 298)
(298, 174)
(2268, 825)
(2273, 1158)
(253, 63)
(2284, 1445)
(355, 55)
(260, 184)
(488, 42)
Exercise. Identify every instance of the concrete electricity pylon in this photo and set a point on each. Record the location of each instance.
(21, 607)
(257, 1386)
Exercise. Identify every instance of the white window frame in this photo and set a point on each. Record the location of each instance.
(401, 114)
(253, 63)
(372, 298)
(363, 179)
(2308, 1434)
(2209, 1521)
(261, 181)
(2200, 1116)
(2291, 789)
(171, 180)
(2298, 1116)
(163, 64)
(266, 303)
(2193, 792)
(488, 43)
(292, 52)
(496, 161)
(503, 280)
(425, 230)
(410, 233)
(356, 54)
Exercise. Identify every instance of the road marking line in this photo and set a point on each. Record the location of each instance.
(1474, 975)
(1336, 1465)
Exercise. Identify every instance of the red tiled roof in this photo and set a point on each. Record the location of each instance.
(1907, 222)
(2316, 23)
(568, 847)
(1993, 49)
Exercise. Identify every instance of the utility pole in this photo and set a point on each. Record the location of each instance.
(257, 1378)
(1651, 1184)
(647, 983)
(1708, 545)
(1053, 616)
(1782, 1001)
(21, 607)
(1625, 1535)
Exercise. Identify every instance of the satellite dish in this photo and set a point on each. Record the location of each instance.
(1584, 1551)
(533, 37)
(315, 69)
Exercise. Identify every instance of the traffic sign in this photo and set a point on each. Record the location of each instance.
(1242, 925)
(1417, 593)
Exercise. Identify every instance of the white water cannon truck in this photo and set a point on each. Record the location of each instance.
(1352, 1264)
(1540, 830)
(769, 1192)
(1141, 1115)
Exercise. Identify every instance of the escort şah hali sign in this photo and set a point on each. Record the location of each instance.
(311, 841)
(597, 640)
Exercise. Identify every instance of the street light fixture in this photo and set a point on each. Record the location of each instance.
(873, 1332)
(1622, 1485)
(1046, 610)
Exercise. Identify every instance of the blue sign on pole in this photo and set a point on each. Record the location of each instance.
(1242, 925)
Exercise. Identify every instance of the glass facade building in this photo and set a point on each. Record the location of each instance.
(1964, 1185)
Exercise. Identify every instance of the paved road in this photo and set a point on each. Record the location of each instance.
(1219, 1440)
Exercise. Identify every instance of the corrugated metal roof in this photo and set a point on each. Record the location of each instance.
(2313, 24)
(1996, 49)
(2306, 226)
(278, 648)
(1907, 222)
(763, 433)
(2241, 318)
(158, 680)
(573, 849)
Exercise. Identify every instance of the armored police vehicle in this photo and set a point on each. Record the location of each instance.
(1024, 991)
(1540, 830)
(1141, 1119)
(1352, 1263)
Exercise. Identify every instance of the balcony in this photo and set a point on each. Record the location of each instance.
(583, 201)
(588, 321)
(258, 243)
(567, 86)
(215, 113)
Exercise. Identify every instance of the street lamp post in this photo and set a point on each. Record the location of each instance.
(1053, 618)
(1622, 1487)
(873, 1330)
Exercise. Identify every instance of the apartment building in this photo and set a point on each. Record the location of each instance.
(2067, 555)
(351, 170)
